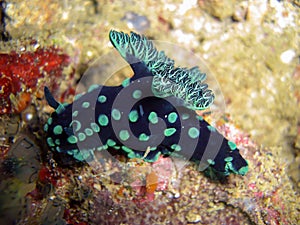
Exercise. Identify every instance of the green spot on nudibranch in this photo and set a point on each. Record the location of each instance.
(231, 145)
(228, 159)
(243, 170)
(137, 94)
(103, 120)
(76, 125)
(131, 155)
(200, 118)
(110, 142)
(185, 116)
(50, 142)
(116, 114)
(169, 131)
(93, 87)
(143, 137)
(78, 156)
(193, 132)
(46, 127)
(229, 168)
(57, 129)
(49, 121)
(60, 108)
(211, 128)
(85, 105)
(154, 158)
(101, 99)
(126, 149)
(76, 97)
(176, 147)
(81, 136)
(126, 82)
(133, 116)
(153, 148)
(103, 147)
(95, 127)
(124, 135)
(172, 117)
(75, 113)
(153, 118)
(72, 139)
(57, 142)
(211, 162)
(70, 152)
(88, 131)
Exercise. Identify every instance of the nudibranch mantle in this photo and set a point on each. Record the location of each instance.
(150, 114)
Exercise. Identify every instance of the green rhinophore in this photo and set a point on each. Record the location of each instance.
(231, 145)
(95, 127)
(153, 118)
(72, 139)
(103, 120)
(57, 129)
(116, 114)
(169, 131)
(133, 116)
(124, 135)
(102, 98)
(172, 117)
(194, 132)
(143, 137)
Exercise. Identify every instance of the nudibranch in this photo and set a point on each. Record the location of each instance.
(148, 115)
